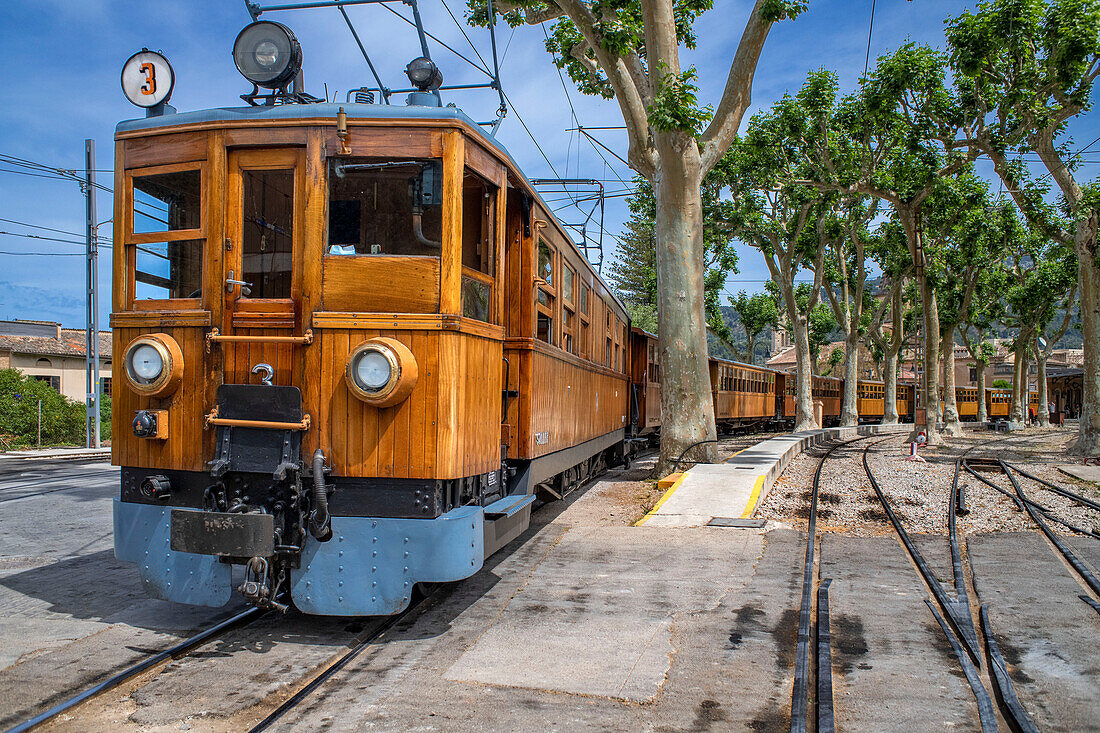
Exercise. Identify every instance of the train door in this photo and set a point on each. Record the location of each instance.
(262, 271)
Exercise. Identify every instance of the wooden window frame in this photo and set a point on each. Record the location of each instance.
(132, 240)
(550, 309)
(568, 305)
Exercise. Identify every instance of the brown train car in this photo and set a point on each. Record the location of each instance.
(645, 384)
(905, 401)
(998, 402)
(383, 334)
(829, 390)
(870, 400)
(743, 393)
(966, 402)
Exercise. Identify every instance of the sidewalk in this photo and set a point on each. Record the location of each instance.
(58, 453)
(732, 490)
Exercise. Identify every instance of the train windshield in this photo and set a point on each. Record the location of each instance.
(385, 207)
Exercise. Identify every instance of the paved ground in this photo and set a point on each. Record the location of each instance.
(578, 625)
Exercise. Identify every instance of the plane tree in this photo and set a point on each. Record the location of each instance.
(846, 287)
(757, 312)
(889, 252)
(964, 241)
(1024, 70)
(630, 52)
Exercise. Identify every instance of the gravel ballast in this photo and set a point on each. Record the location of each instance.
(918, 492)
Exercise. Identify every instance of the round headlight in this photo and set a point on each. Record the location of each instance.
(267, 54)
(381, 372)
(373, 370)
(424, 74)
(153, 365)
(146, 363)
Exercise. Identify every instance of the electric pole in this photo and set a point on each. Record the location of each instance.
(91, 438)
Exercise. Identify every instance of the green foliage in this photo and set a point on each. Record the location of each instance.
(675, 105)
(634, 269)
(1002, 384)
(836, 356)
(62, 419)
(757, 312)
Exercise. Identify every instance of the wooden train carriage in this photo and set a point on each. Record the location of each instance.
(828, 390)
(998, 402)
(966, 402)
(743, 393)
(905, 401)
(395, 303)
(645, 383)
(870, 400)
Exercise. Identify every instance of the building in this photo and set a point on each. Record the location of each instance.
(46, 351)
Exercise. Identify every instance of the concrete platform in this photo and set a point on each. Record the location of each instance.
(1085, 473)
(734, 489)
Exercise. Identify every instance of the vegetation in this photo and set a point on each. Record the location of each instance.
(62, 419)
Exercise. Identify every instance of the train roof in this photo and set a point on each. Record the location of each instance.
(354, 111)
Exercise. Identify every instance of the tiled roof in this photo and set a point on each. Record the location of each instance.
(71, 343)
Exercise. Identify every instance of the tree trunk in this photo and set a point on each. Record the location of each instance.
(849, 413)
(931, 341)
(1042, 410)
(687, 409)
(952, 425)
(983, 414)
(1019, 381)
(1088, 289)
(890, 391)
(803, 396)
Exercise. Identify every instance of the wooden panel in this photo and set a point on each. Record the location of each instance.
(381, 284)
(566, 399)
(183, 450)
(450, 296)
(387, 141)
(160, 149)
(482, 162)
(265, 136)
(448, 427)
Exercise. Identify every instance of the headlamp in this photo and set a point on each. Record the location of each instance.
(153, 365)
(381, 372)
(267, 54)
(424, 74)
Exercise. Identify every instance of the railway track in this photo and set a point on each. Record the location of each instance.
(974, 643)
(53, 485)
(810, 627)
(175, 652)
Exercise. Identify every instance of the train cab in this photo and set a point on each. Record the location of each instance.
(353, 345)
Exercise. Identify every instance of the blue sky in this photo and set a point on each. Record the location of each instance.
(63, 58)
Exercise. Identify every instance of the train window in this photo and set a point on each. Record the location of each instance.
(385, 207)
(475, 298)
(584, 299)
(607, 353)
(544, 327)
(168, 270)
(478, 223)
(546, 263)
(567, 278)
(567, 326)
(268, 221)
(167, 202)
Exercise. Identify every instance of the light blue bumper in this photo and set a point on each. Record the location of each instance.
(370, 565)
(368, 568)
(143, 534)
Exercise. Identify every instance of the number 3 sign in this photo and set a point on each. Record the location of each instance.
(147, 78)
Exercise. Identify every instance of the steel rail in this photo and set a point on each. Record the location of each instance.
(800, 692)
(826, 720)
(958, 611)
(986, 713)
(1084, 501)
(1005, 688)
(1068, 554)
(178, 650)
(326, 674)
(1045, 511)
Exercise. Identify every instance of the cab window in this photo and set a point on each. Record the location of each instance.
(385, 207)
(478, 246)
(165, 235)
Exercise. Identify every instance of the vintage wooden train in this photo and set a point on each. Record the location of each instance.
(352, 347)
